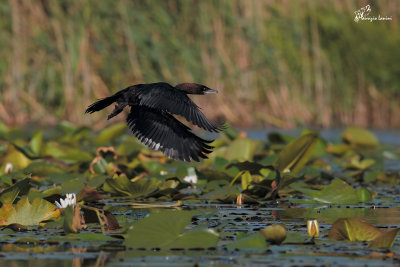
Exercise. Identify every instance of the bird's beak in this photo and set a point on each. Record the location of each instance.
(210, 91)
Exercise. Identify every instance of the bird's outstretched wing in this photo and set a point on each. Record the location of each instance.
(165, 97)
(161, 131)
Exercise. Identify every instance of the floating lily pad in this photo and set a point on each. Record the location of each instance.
(241, 149)
(110, 133)
(73, 186)
(167, 230)
(338, 192)
(226, 193)
(26, 213)
(11, 193)
(36, 143)
(44, 168)
(123, 186)
(353, 229)
(386, 239)
(251, 242)
(359, 137)
(16, 158)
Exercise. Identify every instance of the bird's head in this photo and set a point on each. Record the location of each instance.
(195, 88)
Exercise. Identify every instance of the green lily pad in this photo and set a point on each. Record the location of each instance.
(340, 149)
(167, 230)
(338, 192)
(386, 239)
(107, 135)
(241, 149)
(16, 158)
(248, 242)
(364, 195)
(11, 193)
(26, 213)
(36, 193)
(36, 143)
(358, 164)
(66, 154)
(226, 193)
(359, 137)
(73, 155)
(354, 230)
(43, 168)
(129, 145)
(72, 186)
(123, 186)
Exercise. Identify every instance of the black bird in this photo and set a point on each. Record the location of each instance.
(152, 122)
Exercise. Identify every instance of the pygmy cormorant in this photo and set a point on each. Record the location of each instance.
(152, 122)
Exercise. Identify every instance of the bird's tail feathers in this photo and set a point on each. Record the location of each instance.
(101, 104)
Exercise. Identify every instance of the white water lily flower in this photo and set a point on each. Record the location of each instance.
(191, 177)
(69, 200)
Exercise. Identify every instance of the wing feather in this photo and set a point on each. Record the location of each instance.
(161, 131)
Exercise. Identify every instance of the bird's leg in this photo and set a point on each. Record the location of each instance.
(117, 109)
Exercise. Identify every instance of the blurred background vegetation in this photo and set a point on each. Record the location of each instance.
(275, 63)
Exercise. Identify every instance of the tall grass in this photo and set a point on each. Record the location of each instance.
(279, 63)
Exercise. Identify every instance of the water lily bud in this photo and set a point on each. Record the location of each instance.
(313, 228)
(8, 168)
(240, 199)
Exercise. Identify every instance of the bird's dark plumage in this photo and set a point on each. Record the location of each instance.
(151, 120)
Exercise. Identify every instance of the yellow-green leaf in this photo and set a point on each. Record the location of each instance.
(16, 158)
(241, 149)
(11, 193)
(338, 192)
(359, 137)
(110, 133)
(296, 154)
(353, 229)
(36, 142)
(385, 240)
(26, 213)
